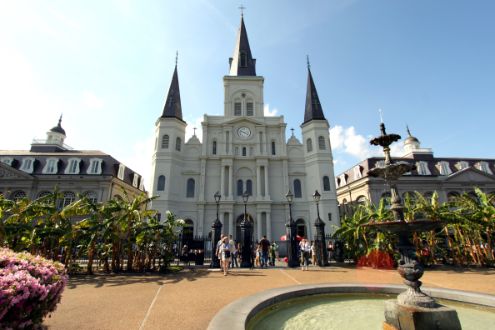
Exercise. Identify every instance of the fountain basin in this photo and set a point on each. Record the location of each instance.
(237, 315)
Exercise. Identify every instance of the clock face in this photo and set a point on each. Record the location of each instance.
(244, 132)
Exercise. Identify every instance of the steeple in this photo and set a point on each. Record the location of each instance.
(173, 108)
(58, 128)
(313, 109)
(242, 62)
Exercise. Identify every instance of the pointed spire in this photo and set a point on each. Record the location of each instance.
(173, 107)
(242, 62)
(408, 131)
(58, 128)
(313, 109)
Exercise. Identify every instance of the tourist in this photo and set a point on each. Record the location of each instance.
(313, 253)
(233, 253)
(224, 254)
(257, 258)
(305, 251)
(217, 248)
(273, 253)
(265, 247)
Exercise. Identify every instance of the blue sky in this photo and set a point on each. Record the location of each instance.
(107, 66)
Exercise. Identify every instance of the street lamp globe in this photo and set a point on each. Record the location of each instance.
(316, 196)
(289, 196)
(245, 197)
(217, 197)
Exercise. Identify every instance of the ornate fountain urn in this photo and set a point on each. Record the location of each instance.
(413, 308)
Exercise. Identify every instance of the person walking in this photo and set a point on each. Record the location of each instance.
(305, 251)
(313, 253)
(233, 253)
(265, 247)
(273, 253)
(224, 255)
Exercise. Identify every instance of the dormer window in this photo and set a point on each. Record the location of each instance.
(357, 172)
(249, 108)
(422, 168)
(462, 165)
(27, 165)
(141, 184)
(444, 168)
(73, 166)
(121, 172)
(135, 180)
(237, 108)
(484, 167)
(243, 61)
(94, 166)
(343, 179)
(7, 160)
(51, 166)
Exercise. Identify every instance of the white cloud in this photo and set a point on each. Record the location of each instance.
(138, 158)
(269, 113)
(91, 101)
(347, 141)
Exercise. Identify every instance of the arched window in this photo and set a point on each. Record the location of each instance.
(177, 144)
(244, 152)
(321, 143)
(273, 148)
(309, 145)
(237, 108)
(18, 195)
(249, 187)
(190, 187)
(301, 228)
(326, 183)
(91, 196)
(240, 188)
(69, 197)
(361, 200)
(165, 139)
(249, 108)
(297, 188)
(161, 183)
(214, 151)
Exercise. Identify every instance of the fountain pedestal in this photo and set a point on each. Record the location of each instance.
(404, 317)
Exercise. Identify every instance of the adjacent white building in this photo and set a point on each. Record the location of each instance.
(244, 151)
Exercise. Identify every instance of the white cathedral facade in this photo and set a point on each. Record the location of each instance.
(244, 151)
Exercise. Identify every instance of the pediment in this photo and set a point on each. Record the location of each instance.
(470, 175)
(237, 120)
(9, 173)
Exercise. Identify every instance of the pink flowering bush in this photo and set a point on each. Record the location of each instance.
(30, 288)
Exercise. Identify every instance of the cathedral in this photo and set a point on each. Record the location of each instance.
(244, 152)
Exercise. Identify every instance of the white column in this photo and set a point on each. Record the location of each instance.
(222, 180)
(268, 226)
(231, 224)
(267, 192)
(258, 182)
(259, 227)
(230, 182)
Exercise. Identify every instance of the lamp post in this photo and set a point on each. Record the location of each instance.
(321, 249)
(246, 236)
(292, 260)
(216, 229)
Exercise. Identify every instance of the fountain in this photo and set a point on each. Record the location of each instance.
(413, 309)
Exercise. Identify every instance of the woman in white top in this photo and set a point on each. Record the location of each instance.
(224, 254)
(305, 252)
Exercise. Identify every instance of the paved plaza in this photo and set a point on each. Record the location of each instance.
(189, 299)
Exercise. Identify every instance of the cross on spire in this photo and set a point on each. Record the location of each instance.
(241, 7)
(307, 61)
(194, 129)
(381, 115)
(176, 57)
(292, 131)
